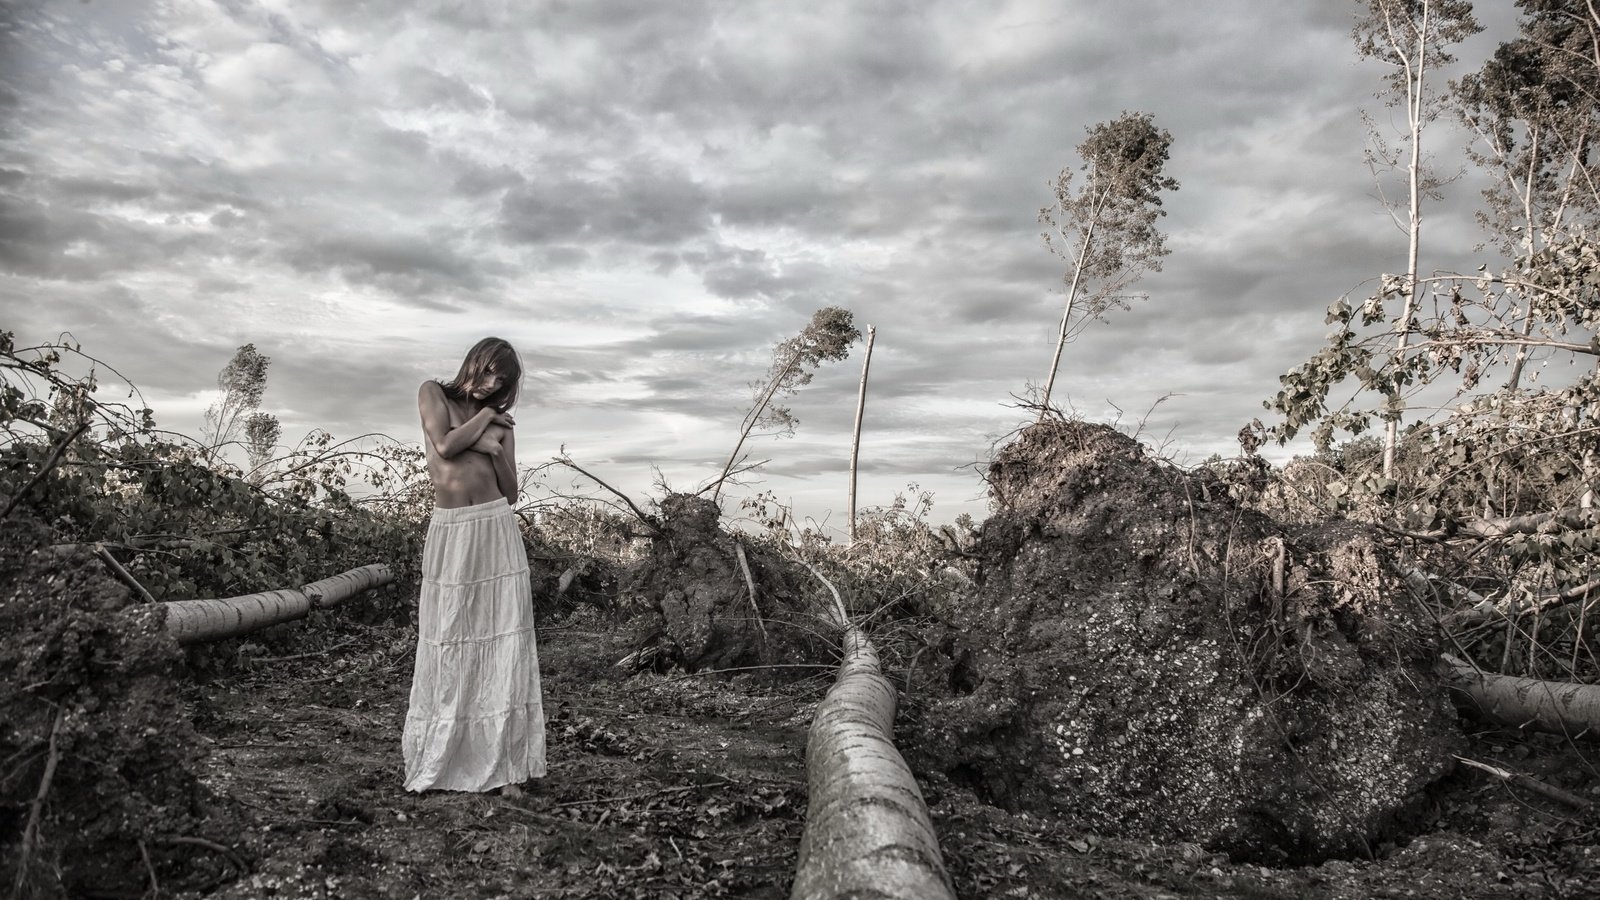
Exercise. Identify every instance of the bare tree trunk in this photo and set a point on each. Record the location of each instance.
(196, 621)
(1066, 317)
(1551, 706)
(855, 440)
(1415, 82)
(750, 421)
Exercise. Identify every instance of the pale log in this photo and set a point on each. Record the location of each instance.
(867, 832)
(196, 621)
(331, 592)
(1552, 706)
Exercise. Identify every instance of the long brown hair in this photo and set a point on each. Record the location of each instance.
(489, 353)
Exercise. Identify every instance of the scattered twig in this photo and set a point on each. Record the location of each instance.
(664, 791)
(1532, 784)
(275, 659)
(150, 869)
(49, 463)
(750, 582)
(227, 853)
(687, 675)
(122, 574)
(31, 832)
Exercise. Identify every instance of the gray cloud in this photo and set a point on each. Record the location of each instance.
(646, 196)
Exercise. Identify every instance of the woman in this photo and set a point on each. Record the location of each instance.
(476, 721)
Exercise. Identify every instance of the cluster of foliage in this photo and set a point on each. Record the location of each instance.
(1104, 226)
(176, 515)
(1486, 386)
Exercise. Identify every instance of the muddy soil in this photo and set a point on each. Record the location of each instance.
(673, 786)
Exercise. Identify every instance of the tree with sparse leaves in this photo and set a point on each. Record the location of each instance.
(240, 385)
(1104, 224)
(1412, 38)
(261, 432)
(827, 337)
(1534, 108)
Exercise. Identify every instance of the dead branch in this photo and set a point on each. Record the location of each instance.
(121, 573)
(750, 582)
(49, 463)
(1528, 782)
(227, 853)
(663, 792)
(637, 512)
(30, 833)
(278, 659)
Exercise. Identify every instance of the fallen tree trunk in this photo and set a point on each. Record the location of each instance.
(867, 832)
(330, 592)
(1552, 706)
(196, 621)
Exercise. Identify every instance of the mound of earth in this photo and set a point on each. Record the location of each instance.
(1144, 657)
(707, 609)
(101, 758)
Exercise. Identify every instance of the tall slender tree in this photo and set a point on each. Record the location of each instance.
(1412, 38)
(1104, 226)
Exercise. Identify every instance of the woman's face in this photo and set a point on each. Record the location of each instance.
(486, 384)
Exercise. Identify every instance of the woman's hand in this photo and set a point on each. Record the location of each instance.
(490, 442)
(504, 420)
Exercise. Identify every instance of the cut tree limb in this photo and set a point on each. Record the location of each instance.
(1482, 609)
(195, 621)
(1532, 784)
(1552, 706)
(1569, 519)
(867, 832)
(121, 573)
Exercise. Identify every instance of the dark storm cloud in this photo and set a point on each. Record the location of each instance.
(429, 88)
(57, 242)
(642, 205)
(786, 198)
(410, 265)
(685, 334)
(343, 392)
(476, 179)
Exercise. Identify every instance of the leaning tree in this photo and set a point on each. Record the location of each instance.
(1104, 224)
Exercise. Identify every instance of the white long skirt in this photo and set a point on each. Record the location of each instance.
(476, 720)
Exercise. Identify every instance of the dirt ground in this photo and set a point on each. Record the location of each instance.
(666, 786)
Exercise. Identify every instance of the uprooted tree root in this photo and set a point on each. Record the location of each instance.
(99, 788)
(1146, 657)
(713, 599)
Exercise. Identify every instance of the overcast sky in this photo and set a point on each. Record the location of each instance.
(644, 196)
